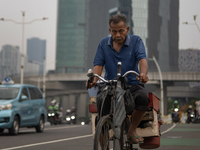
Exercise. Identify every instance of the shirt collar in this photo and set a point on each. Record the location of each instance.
(127, 41)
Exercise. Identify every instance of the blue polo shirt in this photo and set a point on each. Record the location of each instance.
(131, 52)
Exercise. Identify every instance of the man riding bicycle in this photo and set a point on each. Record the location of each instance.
(130, 51)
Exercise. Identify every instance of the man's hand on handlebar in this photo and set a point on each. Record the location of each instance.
(90, 85)
(143, 78)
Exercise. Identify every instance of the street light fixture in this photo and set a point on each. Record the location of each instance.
(195, 17)
(22, 52)
(161, 83)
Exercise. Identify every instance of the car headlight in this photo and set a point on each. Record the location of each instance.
(72, 117)
(6, 107)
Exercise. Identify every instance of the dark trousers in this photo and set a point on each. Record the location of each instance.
(140, 96)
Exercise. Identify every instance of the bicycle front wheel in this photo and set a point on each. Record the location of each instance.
(123, 139)
(104, 134)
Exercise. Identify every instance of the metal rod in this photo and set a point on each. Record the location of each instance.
(44, 78)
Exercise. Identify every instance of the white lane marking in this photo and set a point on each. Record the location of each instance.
(168, 129)
(26, 130)
(67, 139)
(49, 142)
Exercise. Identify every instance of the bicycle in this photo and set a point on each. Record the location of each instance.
(112, 128)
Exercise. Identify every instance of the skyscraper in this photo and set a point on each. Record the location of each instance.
(10, 61)
(155, 21)
(162, 36)
(36, 51)
(71, 41)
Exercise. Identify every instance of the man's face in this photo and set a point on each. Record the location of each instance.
(119, 32)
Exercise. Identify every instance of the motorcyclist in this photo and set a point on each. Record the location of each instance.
(189, 111)
(54, 107)
(73, 115)
(73, 109)
(175, 105)
(68, 116)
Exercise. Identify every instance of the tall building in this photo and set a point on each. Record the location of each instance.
(163, 36)
(71, 36)
(10, 61)
(155, 21)
(36, 51)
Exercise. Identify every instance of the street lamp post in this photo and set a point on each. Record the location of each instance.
(44, 74)
(44, 78)
(22, 52)
(161, 84)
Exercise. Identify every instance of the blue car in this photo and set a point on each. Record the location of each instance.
(21, 105)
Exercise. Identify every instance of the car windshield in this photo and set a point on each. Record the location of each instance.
(7, 93)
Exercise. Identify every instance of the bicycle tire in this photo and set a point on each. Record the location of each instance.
(102, 138)
(123, 138)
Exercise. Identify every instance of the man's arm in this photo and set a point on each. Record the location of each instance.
(143, 71)
(96, 70)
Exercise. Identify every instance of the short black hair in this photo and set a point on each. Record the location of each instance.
(117, 18)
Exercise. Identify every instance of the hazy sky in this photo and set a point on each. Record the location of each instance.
(11, 33)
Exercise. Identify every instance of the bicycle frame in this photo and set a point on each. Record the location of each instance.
(117, 110)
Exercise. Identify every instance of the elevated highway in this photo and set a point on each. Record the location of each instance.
(153, 76)
(70, 87)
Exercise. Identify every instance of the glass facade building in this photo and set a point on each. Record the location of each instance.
(163, 34)
(36, 51)
(10, 61)
(71, 36)
(140, 19)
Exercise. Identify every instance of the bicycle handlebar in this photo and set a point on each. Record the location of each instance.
(91, 75)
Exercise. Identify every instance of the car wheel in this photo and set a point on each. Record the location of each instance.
(1, 130)
(14, 130)
(40, 126)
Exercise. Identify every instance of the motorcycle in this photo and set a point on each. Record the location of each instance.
(68, 119)
(175, 115)
(73, 118)
(190, 117)
(52, 118)
(68, 116)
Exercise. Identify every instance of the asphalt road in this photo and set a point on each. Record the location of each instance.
(78, 137)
